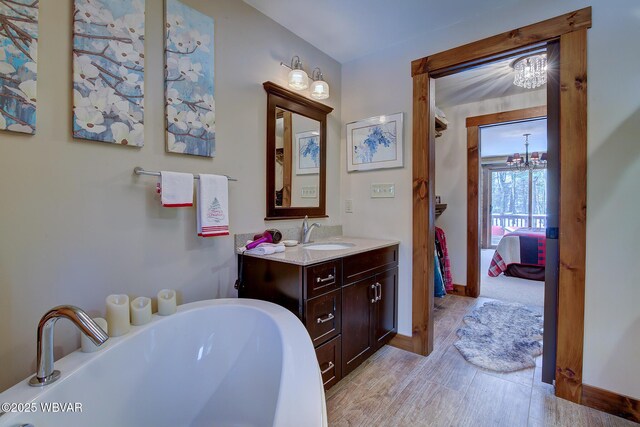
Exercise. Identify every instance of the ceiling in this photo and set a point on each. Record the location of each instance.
(504, 140)
(349, 29)
(489, 81)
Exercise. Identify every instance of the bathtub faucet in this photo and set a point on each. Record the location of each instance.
(45, 374)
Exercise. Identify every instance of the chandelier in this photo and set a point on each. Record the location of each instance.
(530, 161)
(530, 71)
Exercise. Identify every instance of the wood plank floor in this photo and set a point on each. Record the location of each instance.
(398, 388)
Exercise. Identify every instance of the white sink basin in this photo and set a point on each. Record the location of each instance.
(328, 246)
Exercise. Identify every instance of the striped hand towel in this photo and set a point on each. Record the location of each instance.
(212, 213)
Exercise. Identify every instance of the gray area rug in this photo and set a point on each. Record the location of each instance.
(501, 336)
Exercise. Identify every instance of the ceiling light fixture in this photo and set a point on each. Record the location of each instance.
(298, 78)
(319, 88)
(530, 71)
(534, 161)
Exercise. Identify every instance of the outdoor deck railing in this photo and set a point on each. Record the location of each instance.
(518, 220)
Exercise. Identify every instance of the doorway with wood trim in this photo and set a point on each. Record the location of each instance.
(567, 33)
(483, 222)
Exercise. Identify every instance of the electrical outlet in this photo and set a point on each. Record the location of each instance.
(383, 191)
(309, 192)
(348, 206)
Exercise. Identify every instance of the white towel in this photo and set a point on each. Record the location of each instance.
(212, 214)
(266, 249)
(176, 189)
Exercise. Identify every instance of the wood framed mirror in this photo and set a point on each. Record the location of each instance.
(296, 155)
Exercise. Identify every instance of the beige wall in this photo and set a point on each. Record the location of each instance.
(76, 225)
(381, 84)
(451, 170)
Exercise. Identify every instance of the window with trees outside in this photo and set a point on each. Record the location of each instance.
(518, 199)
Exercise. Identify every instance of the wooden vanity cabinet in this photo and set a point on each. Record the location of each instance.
(348, 305)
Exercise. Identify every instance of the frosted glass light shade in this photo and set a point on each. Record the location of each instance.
(319, 89)
(298, 79)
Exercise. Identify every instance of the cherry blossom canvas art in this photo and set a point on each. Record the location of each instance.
(108, 71)
(18, 69)
(189, 81)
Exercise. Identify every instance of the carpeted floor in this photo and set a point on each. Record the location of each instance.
(513, 289)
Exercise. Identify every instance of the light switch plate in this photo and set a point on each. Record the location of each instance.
(383, 191)
(348, 206)
(309, 192)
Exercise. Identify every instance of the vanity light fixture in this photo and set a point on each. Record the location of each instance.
(298, 78)
(319, 88)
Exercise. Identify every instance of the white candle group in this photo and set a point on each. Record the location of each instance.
(87, 345)
(121, 315)
(140, 311)
(118, 315)
(166, 302)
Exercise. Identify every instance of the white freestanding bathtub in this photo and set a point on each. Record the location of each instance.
(226, 362)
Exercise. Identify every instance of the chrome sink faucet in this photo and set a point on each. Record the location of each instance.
(307, 229)
(45, 374)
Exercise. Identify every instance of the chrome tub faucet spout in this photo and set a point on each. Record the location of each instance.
(46, 374)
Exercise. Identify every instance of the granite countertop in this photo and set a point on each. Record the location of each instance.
(299, 255)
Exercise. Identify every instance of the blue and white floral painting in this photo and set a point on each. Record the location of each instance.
(108, 71)
(375, 143)
(189, 81)
(307, 153)
(18, 69)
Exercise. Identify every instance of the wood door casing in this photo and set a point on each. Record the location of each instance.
(571, 28)
(287, 162)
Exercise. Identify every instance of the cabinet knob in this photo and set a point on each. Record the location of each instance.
(378, 291)
(375, 294)
(328, 317)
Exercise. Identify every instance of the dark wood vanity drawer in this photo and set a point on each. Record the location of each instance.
(323, 278)
(329, 359)
(360, 266)
(323, 316)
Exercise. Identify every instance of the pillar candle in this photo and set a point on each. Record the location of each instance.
(87, 345)
(166, 302)
(140, 311)
(118, 315)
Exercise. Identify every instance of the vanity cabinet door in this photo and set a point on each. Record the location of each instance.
(358, 302)
(386, 319)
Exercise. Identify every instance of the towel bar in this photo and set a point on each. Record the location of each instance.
(139, 171)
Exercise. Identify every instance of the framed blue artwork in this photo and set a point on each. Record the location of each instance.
(375, 143)
(307, 154)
